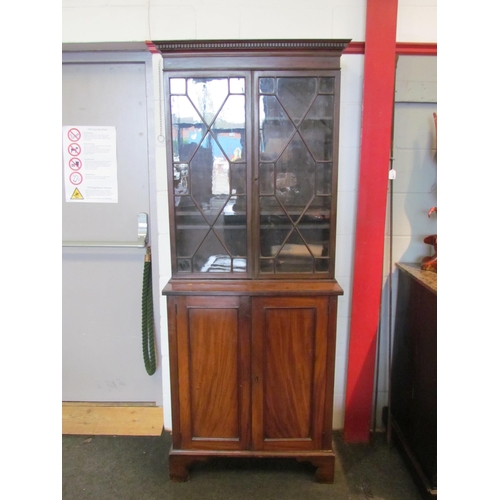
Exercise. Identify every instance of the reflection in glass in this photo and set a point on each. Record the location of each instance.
(207, 95)
(267, 266)
(326, 85)
(209, 150)
(266, 85)
(237, 85)
(296, 95)
(317, 128)
(266, 178)
(275, 128)
(184, 266)
(181, 181)
(228, 126)
(295, 175)
(177, 86)
(323, 178)
(238, 179)
(321, 265)
(295, 168)
(295, 256)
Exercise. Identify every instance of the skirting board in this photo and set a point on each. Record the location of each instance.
(109, 419)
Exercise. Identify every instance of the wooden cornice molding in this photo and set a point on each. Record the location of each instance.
(203, 46)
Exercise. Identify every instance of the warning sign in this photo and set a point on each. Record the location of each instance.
(89, 162)
(76, 195)
(74, 149)
(75, 164)
(74, 134)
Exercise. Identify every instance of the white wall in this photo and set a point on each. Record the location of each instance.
(140, 20)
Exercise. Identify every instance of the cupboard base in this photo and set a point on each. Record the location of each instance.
(180, 461)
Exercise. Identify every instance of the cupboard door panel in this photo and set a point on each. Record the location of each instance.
(214, 372)
(289, 416)
(289, 367)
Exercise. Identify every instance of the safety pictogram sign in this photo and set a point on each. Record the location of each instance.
(75, 164)
(76, 178)
(74, 149)
(74, 135)
(90, 162)
(76, 195)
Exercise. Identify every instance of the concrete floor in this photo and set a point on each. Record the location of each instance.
(136, 468)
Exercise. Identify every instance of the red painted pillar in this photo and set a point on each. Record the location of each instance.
(378, 102)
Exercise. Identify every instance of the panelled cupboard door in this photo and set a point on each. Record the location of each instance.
(213, 343)
(289, 365)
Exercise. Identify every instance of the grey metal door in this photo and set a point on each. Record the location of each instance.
(101, 284)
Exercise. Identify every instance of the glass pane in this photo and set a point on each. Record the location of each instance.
(294, 263)
(184, 266)
(191, 227)
(317, 128)
(296, 95)
(266, 85)
(188, 238)
(314, 227)
(295, 256)
(223, 264)
(271, 240)
(208, 95)
(238, 179)
(229, 128)
(270, 209)
(275, 226)
(320, 206)
(210, 254)
(317, 239)
(326, 85)
(187, 128)
(230, 226)
(209, 173)
(181, 180)
(321, 265)
(266, 178)
(323, 178)
(177, 86)
(267, 265)
(237, 85)
(275, 128)
(295, 172)
(235, 239)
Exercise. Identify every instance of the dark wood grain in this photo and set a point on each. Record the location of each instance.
(289, 362)
(180, 461)
(213, 383)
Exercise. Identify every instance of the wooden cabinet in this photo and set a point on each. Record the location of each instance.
(212, 337)
(252, 147)
(252, 371)
(414, 374)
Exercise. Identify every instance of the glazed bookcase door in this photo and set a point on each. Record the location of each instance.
(295, 203)
(253, 173)
(208, 117)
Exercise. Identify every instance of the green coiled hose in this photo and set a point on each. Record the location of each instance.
(148, 323)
